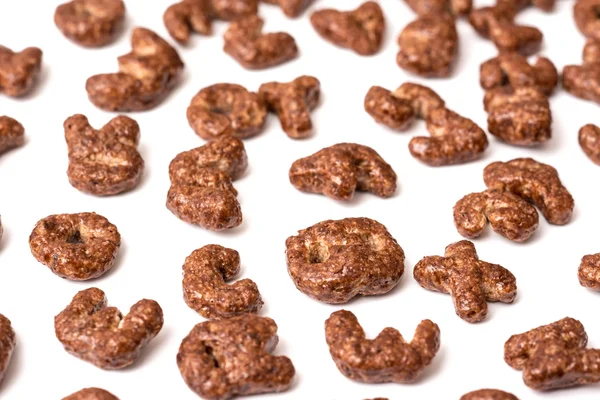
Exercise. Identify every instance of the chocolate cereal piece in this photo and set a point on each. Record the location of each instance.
(589, 272)
(201, 191)
(77, 247)
(7, 344)
(586, 17)
(226, 109)
(520, 117)
(146, 76)
(222, 359)
(455, 7)
(511, 37)
(103, 162)
(589, 140)
(334, 261)
(90, 23)
(513, 70)
(470, 281)
(101, 335)
(481, 19)
(204, 289)
(387, 358)
(19, 71)
(293, 101)
(291, 8)
(428, 46)
(360, 30)
(253, 49)
(536, 182)
(91, 394)
(12, 134)
(489, 394)
(508, 214)
(583, 81)
(339, 170)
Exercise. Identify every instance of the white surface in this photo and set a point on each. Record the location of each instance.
(33, 184)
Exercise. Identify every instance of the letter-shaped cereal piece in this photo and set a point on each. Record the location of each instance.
(513, 69)
(589, 272)
(12, 134)
(19, 71)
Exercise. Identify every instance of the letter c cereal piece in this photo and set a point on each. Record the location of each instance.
(101, 335)
(334, 261)
(19, 71)
(589, 140)
(91, 394)
(7, 344)
(12, 134)
(489, 394)
(226, 109)
(387, 358)
(77, 247)
(204, 289)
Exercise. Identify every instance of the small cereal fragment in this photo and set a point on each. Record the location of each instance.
(360, 30)
(520, 117)
(91, 394)
(90, 23)
(428, 46)
(222, 359)
(146, 76)
(455, 7)
(77, 247)
(226, 109)
(470, 281)
(589, 140)
(204, 289)
(587, 17)
(337, 171)
(7, 344)
(508, 214)
(334, 261)
(291, 8)
(589, 272)
(253, 49)
(387, 358)
(103, 162)
(12, 134)
(512, 69)
(293, 102)
(19, 71)
(536, 182)
(101, 335)
(489, 394)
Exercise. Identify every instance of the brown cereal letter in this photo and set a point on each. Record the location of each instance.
(146, 76)
(512, 69)
(388, 109)
(510, 37)
(7, 344)
(360, 30)
(589, 140)
(583, 81)
(470, 281)
(222, 359)
(291, 8)
(489, 394)
(226, 109)
(535, 182)
(293, 102)
(456, 7)
(589, 272)
(481, 19)
(77, 247)
(92, 331)
(186, 16)
(586, 14)
(334, 261)
(508, 214)
(337, 171)
(12, 134)
(90, 23)
(253, 49)
(19, 71)
(91, 394)
(204, 289)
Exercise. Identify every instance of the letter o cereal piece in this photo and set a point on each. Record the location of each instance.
(334, 261)
(91, 394)
(77, 247)
(7, 344)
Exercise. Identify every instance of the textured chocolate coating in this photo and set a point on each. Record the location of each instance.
(12, 134)
(201, 191)
(91, 394)
(360, 30)
(7, 344)
(583, 81)
(222, 359)
(146, 75)
(520, 117)
(489, 394)
(19, 71)
(470, 281)
(481, 19)
(387, 358)
(204, 289)
(293, 101)
(589, 272)
(535, 182)
(226, 109)
(334, 261)
(513, 70)
(253, 49)
(90, 23)
(428, 46)
(585, 13)
(421, 99)
(508, 214)
(589, 140)
(291, 8)
(77, 247)
(337, 171)
(103, 162)
(101, 335)
(455, 7)
(510, 37)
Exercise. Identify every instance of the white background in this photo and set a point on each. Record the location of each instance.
(33, 184)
